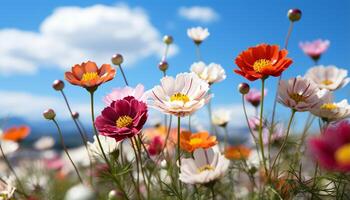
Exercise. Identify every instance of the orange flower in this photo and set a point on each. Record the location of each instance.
(16, 133)
(262, 61)
(190, 142)
(237, 152)
(89, 76)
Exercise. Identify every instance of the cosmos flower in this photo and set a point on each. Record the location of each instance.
(315, 48)
(254, 96)
(207, 165)
(180, 96)
(155, 135)
(328, 77)
(277, 134)
(221, 117)
(89, 76)
(16, 133)
(237, 152)
(122, 119)
(332, 149)
(198, 34)
(301, 94)
(108, 144)
(8, 146)
(262, 61)
(44, 143)
(80, 192)
(212, 73)
(121, 93)
(332, 111)
(192, 141)
(155, 146)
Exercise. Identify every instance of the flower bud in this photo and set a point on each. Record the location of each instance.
(294, 14)
(75, 115)
(117, 59)
(113, 195)
(49, 114)
(168, 39)
(243, 88)
(58, 85)
(163, 65)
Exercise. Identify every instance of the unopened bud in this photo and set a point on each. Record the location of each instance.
(58, 85)
(163, 66)
(49, 114)
(294, 14)
(243, 88)
(117, 59)
(113, 195)
(75, 115)
(168, 39)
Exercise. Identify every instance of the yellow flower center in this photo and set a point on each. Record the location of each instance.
(195, 141)
(297, 97)
(205, 168)
(89, 76)
(342, 155)
(260, 64)
(124, 121)
(327, 82)
(329, 106)
(180, 97)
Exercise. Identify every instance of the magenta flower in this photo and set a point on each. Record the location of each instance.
(332, 149)
(122, 119)
(121, 93)
(254, 97)
(315, 48)
(155, 146)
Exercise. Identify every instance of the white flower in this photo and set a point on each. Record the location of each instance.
(212, 73)
(180, 96)
(330, 77)
(253, 160)
(8, 147)
(301, 94)
(221, 117)
(198, 34)
(206, 166)
(44, 143)
(7, 189)
(331, 111)
(108, 144)
(80, 192)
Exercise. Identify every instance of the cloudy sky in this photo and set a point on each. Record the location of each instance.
(41, 39)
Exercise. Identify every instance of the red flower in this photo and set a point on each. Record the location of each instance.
(155, 146)
(16, 133)
(332, 149)
(262, 61)
(122, 119)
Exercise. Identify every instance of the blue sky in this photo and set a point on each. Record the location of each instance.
(240, 24)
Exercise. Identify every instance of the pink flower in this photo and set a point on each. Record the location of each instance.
(315, 48)
(332, 149)
(254, 97)
(277, 131)
(155, 146)
(122, 119)
(55, 163)
(121, 93)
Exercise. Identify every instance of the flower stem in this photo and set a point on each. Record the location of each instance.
(178, 150)
(95, 130)
(226, 138)
(124, 77)
(246, 117)
(133, 145)
(261, 143)
(284, 142)
(198, 52)
(65, 149)
(212, 192)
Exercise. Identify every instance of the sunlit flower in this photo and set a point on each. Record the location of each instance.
(237, 152)
(212, 73)
(89, 76)
(332, 111)
(206, 166)
(254, 96)
(315, 48)
(332, 148)
(121, 93)
(329, 77)
(80, 192)
(221, 117)
(122, 119)
(198, 34)
(155, 146)
(16, 133)
(8, 146)
(262, 61)
(180, 96)
(301, 94)
(192, 141)
(253, 160)
(108, 144)
(155, 135)
(43, 143)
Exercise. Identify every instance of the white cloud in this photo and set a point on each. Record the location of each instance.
(74, 34)
(31, 107)
(199, 13)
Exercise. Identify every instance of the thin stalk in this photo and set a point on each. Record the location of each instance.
(198, 52)
(81, 133)
(165, 52)
(95, 130)
(141, 164)
(178, 150)
(137, 168)
(124, 77)
(66, 150)
(261, 143)
(284, 142)
(226, 137)
(247, 120)
(189, 123)
(212, 192)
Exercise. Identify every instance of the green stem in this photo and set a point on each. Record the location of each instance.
(198, 52)
(133, 145)
(212, 192)
(178, 150)
(124, 77)
(261, 143)
(65, 149)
